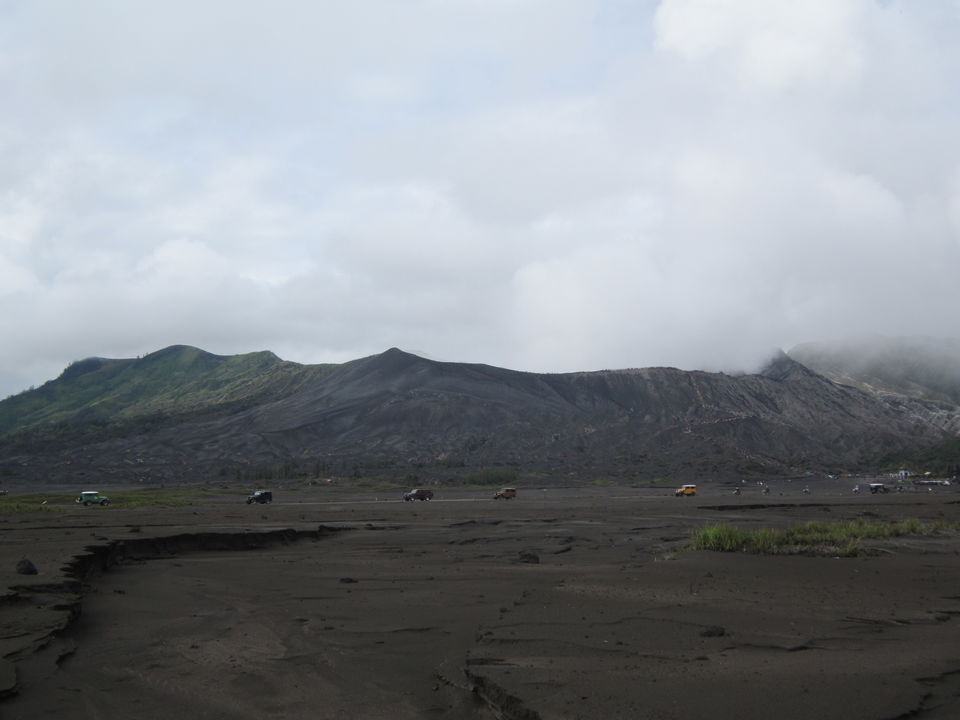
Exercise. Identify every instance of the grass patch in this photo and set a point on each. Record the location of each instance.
(163, 497)
(841, 538)
(602, 482)
(493, 476)
(722, 538)
(29, 504)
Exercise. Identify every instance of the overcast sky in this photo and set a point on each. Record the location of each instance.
(546, 185)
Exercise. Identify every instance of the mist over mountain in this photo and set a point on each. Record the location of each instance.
(184, 415)
(920, 367)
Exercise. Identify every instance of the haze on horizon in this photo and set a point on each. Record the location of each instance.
(545, 185)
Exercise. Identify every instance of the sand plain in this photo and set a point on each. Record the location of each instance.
(563, 603)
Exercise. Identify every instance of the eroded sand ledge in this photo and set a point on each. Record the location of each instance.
(432, 611)
(65, 597)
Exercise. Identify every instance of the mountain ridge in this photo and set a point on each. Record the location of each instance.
(396, 412)
(175, 380)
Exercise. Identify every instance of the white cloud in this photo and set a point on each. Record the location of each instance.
(770, 44)
(550, 185)
(15, 279)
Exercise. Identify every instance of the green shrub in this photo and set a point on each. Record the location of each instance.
(765, 541)
(839, 538)
(723, 538)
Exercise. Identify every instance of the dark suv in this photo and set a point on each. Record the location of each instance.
(418, 494)
(260, 496)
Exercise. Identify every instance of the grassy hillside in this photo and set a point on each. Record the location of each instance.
(175, 381)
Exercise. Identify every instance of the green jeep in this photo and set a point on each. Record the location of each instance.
(92, 497)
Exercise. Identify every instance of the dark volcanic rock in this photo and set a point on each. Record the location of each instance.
(8, 679)
(395, 413)
(528, 556)
(25, 567)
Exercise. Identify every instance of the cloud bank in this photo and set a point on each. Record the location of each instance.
(547, 185)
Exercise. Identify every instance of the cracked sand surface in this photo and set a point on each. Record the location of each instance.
(428, 611)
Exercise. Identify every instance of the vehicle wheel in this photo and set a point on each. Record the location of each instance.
(249, 502)
(104, 502)
(86, 504)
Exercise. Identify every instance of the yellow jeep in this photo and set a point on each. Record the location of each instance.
(685, 490)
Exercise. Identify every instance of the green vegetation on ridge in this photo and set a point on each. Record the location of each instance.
(176, 381)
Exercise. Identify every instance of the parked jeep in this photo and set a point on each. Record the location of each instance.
(878, 488)
(505, 494)
(260, 496)
(685, 490)
(418, 494)
(92, 497)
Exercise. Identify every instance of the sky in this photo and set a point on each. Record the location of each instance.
(543, 185)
